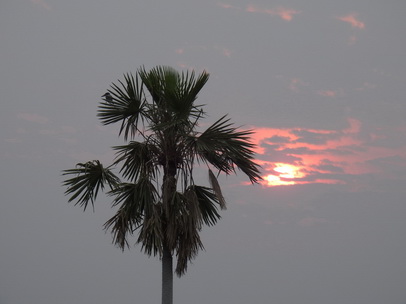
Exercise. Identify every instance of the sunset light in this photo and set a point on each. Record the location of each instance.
(297, 156)
(288, 171)
(273, 180)
(283, 174)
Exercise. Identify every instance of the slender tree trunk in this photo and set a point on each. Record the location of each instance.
(168, 192)
(167, 276)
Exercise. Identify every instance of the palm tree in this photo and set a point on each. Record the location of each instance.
(159, 199)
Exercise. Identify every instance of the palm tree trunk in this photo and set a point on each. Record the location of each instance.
(167, 276)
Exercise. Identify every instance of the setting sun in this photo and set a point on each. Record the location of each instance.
(284, 174)
(273, 180)
(288, 171)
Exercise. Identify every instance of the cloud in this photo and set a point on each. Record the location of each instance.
(326, 165)
(296, 84)
(33, 117)
(292, 156)
(42, 3)
(226, 52)
(366, 86)
(228, 6)
(352, 19)
(327, 93)
(284, 13)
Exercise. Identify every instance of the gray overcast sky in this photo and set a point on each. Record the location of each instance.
(323, 84)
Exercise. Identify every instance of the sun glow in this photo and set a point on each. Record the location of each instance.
(288, 171)
(283, 174)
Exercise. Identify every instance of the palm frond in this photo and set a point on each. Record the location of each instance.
(217, 190)
(138, 159)
(188, 88)
(161, 83)
(151, 235)
(198, 207)
(226, 148)
(89, 178)
(207, 204)
(136, 202)
(173, 95)
(183, 227)
(126, 105)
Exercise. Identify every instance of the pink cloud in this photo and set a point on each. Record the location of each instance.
(252, 9)
(284, 13)
(352, 19)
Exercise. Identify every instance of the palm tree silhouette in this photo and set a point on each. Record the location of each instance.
(159, 198)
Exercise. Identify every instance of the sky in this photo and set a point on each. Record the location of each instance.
(320, 82)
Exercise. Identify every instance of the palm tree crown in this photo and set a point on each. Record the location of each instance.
(159, 199)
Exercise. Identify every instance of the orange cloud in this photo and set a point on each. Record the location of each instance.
(352, 19)
(284, 13)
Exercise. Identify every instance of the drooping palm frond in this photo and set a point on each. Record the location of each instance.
(195, 207)
(182, 229)
(226, 148)
(127, 105)
(207, 204)
(136, 201)
(89, 178)
(151, 237)
(217, 190)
